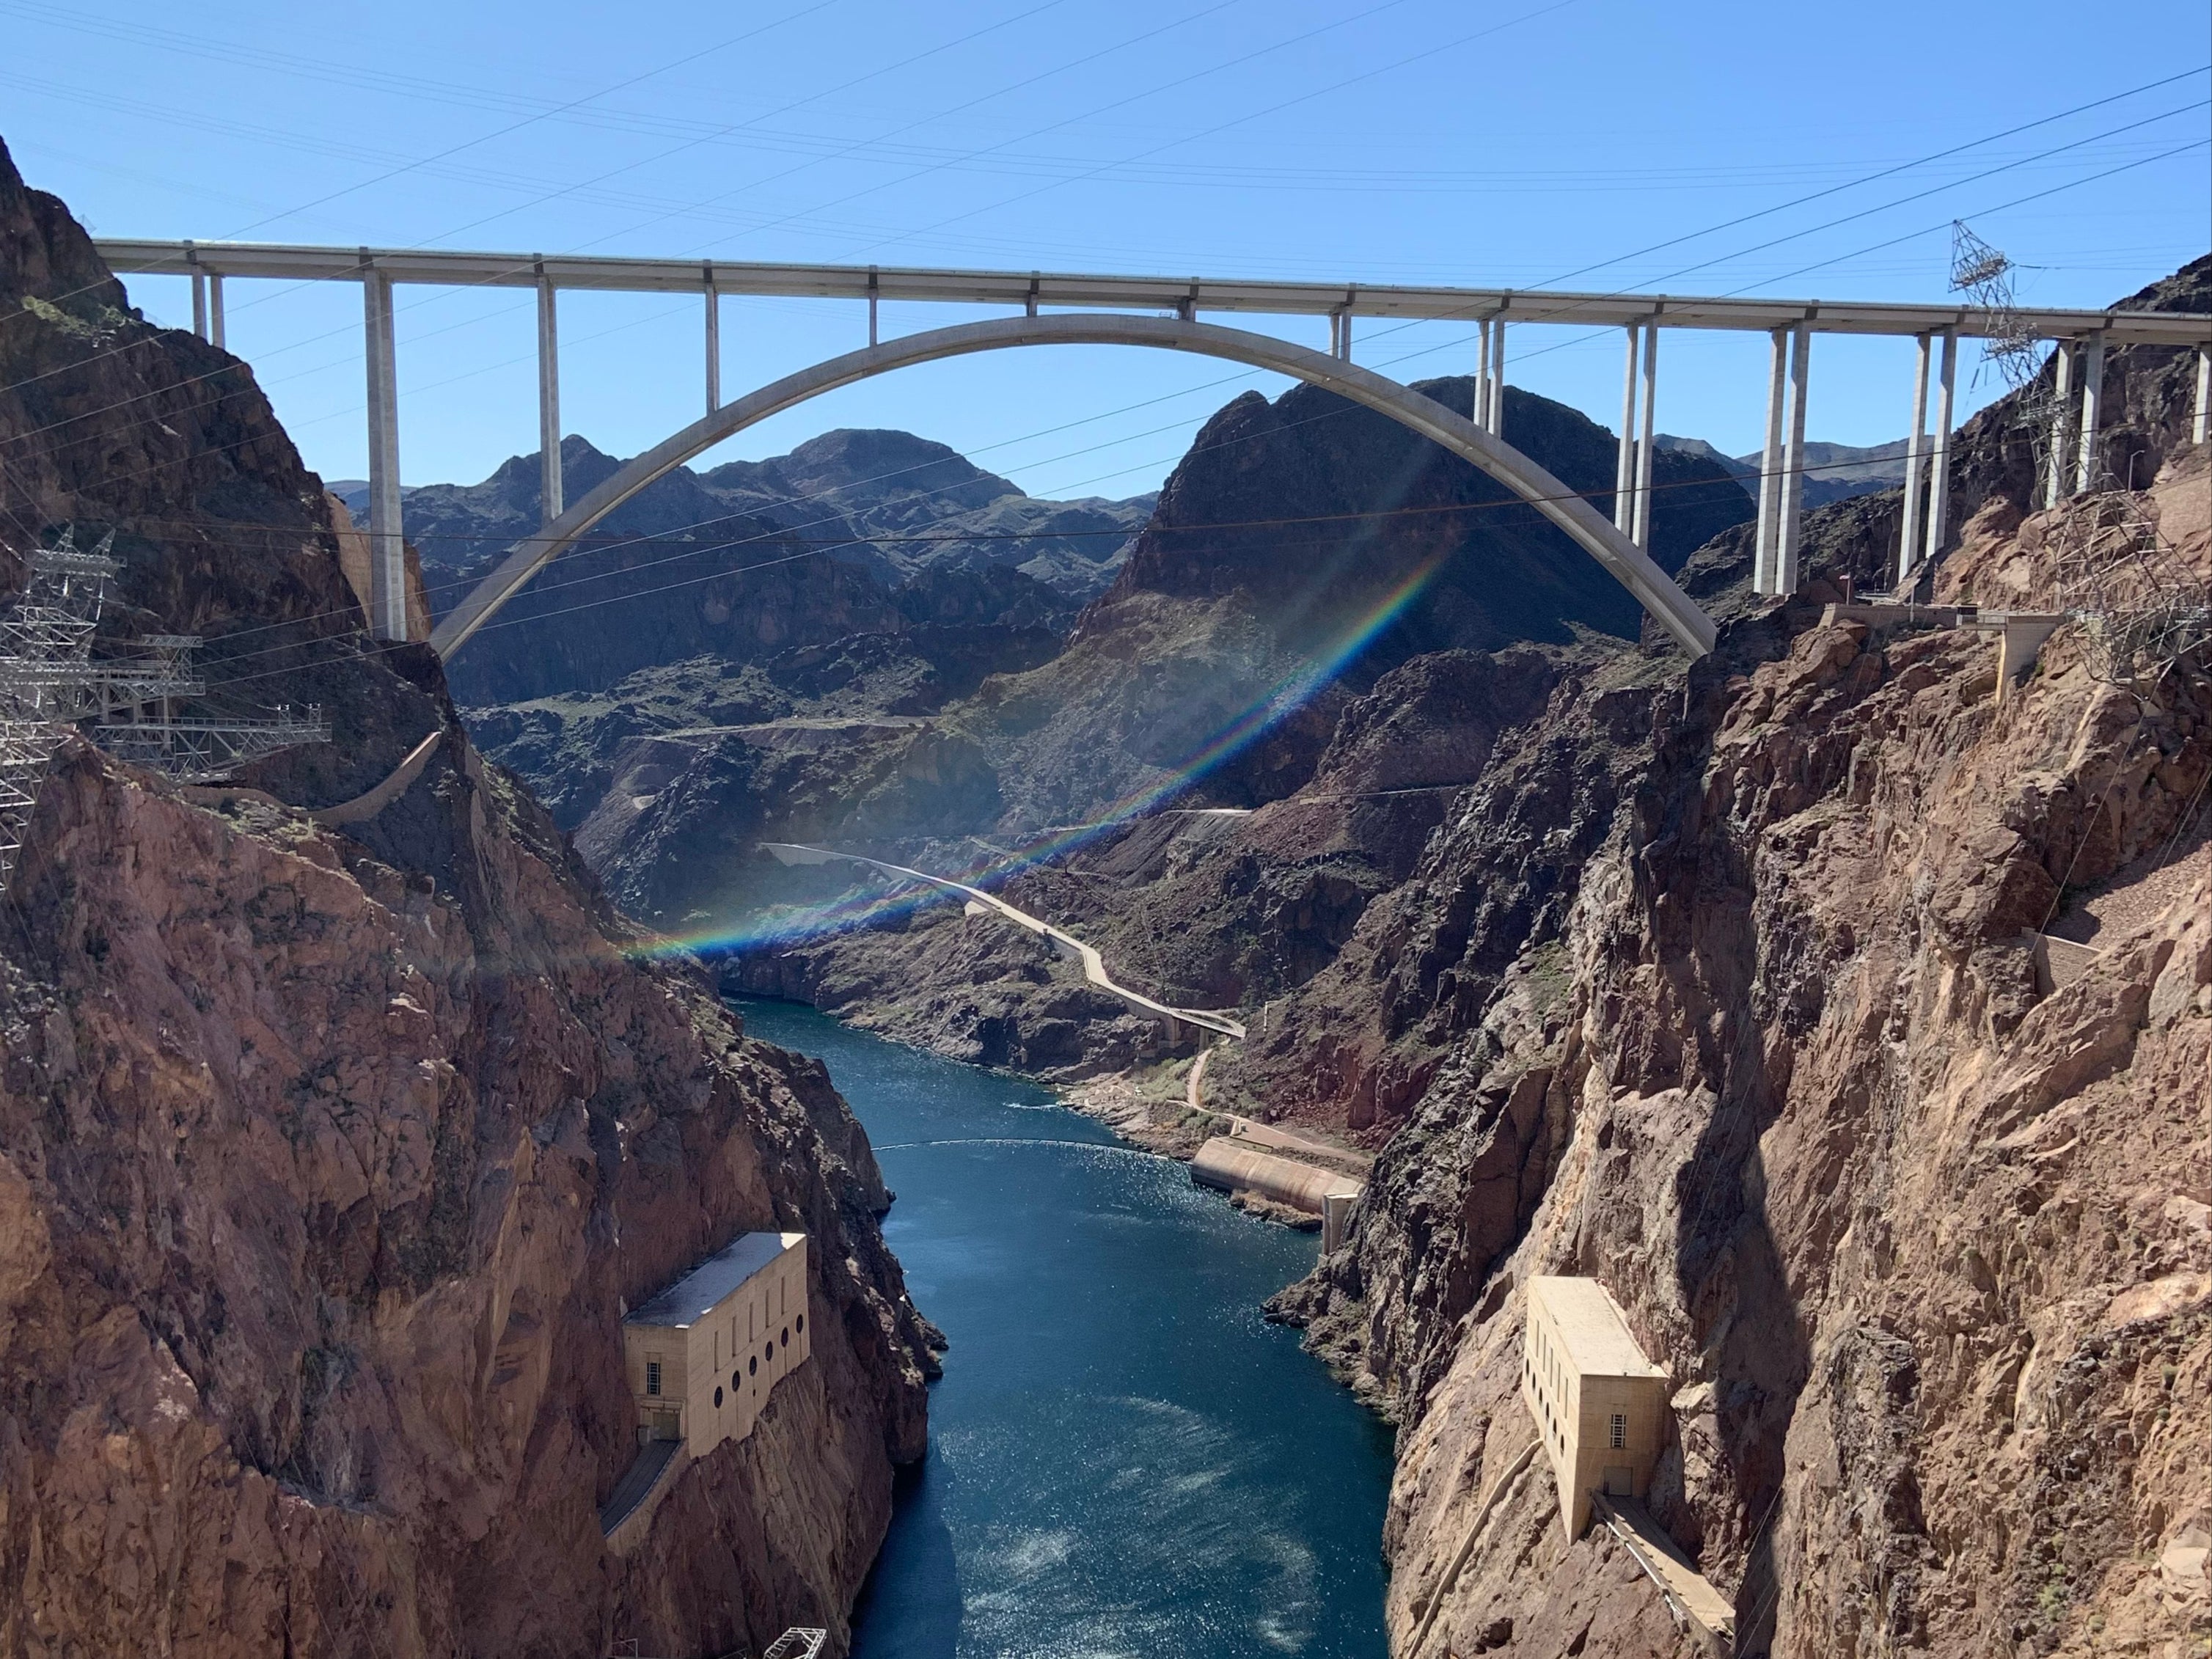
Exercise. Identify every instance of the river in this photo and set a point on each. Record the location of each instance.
(1125, 1458)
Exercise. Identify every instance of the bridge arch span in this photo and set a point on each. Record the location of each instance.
(1654, 589)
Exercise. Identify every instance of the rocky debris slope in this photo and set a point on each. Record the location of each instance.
(328, 1162)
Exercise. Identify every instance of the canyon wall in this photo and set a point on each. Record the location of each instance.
(328, 1161)
(1848, 1014)
(1736, 991)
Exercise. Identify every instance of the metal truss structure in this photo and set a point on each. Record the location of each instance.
(2141, 611)
(50, 681)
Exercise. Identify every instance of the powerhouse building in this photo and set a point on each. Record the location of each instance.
(1599, 1402)
(704, 1354)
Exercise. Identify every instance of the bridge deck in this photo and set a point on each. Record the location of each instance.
(294, 263)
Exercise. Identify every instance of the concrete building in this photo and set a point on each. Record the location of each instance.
(704, 1354)
(1599, 1403)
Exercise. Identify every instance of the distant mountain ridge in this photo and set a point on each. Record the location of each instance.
(1833, 473)
(872, 489)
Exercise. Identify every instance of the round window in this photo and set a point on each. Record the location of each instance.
(718, 1399)
(734, 1377)
(786, 1338)
(751, 1365)
(769, 1352)
(800, 1323)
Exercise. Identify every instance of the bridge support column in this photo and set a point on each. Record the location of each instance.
(1498, 378)
(1624, 465)
(215, 310)
(872, 305)
(2202, 429)
(1793, 464)
(548, 401)
(1916, 465)
(1939, 482)
(387, 549)
(200, 304)
(1641, 533)
(2093, 408)
(714, 344)
(1770, 472)
(2062, 420)
(1481, 411)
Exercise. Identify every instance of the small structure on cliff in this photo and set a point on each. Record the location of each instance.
(1598, 1401)
(703, 1357)
(704, 1353)
(1230, 1165)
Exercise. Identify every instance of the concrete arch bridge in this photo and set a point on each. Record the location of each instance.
(1111, 310)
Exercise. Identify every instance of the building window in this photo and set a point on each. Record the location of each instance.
(1620, 1431)
(718, 1399)
(785, 1339)
(800, 1324)
(653, 1377)
(752, 1365)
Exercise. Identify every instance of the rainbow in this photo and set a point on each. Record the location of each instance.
(795, 924)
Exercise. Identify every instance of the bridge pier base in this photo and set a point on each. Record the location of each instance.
(713, 344)
(549, 402)
(1497, 377)
(2061, 416)
(1770, 470)
(2093, 405)
(1939, 482)
(387, 548)
(1793, 464)
(1624, 466)
(2199, 432)
(1916, 463)
(1640, 532)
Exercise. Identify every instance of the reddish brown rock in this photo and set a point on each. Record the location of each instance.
(329, 1161)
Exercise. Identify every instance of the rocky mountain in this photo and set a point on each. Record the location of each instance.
(875, 535)
(1847, 1013)
(929, 504)
(330, 1158)
(1833, 473)
(1297, 529)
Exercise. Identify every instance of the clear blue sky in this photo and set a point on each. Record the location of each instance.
(1335, 139)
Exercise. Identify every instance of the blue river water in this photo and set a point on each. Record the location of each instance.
(1125, 1459)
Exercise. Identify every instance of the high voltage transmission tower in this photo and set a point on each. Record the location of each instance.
(2139, 610)
(50, 681)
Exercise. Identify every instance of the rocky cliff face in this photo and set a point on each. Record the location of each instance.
(856, 540)
(328, 1161)
(1299, 526)
(1729, 992)
(1736, 987)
